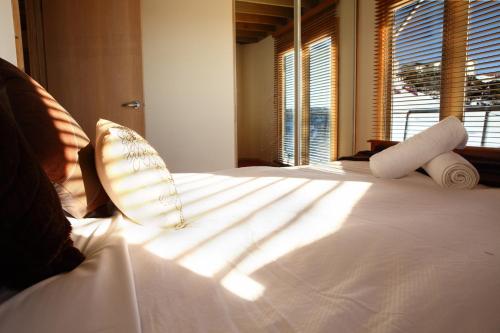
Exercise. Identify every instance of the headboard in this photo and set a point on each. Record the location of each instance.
(486, 160)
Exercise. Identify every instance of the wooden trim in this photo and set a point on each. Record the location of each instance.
(247, 40)
(251, 34)
(246, 162)
(492, 154)
(454, 59)
(383, 73)
(242, 26)
(281, 3)
(260, 19)
(36, 44)
(259, 9)
(356, 84)
(18, 34)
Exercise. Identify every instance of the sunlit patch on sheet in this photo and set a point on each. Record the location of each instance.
(238, 225)
(242, 286)
(247, 223)
(297, 235)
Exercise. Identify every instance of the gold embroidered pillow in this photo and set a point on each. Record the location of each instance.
(135, 177)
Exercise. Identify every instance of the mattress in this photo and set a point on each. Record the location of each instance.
(303, 249)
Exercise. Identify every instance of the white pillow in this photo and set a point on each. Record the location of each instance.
(135, 177)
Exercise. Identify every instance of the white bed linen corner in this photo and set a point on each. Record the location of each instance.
(284, 250)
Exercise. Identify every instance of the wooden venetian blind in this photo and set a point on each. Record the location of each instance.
(437, 59)
(319, 81)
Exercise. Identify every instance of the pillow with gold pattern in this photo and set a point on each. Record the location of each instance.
(135, 177)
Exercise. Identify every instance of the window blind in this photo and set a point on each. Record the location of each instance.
(437, 59)
(482, 90)
(289, 109)
(320, 101)
(319, 75)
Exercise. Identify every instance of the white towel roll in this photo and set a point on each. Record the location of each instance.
(451, 170)
(399, 160)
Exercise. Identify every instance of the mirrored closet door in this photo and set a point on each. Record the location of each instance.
(288, 98)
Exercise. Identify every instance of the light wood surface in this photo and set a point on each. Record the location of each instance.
(454, 59)
(35, 41)
(18, 34)
(251, 15)
(255, 27)
(94, 59)
(283, 3)
(260, 9)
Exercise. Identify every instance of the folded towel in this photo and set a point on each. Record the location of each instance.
(451, 170)
(399, 160)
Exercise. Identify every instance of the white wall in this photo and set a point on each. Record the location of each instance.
(365, 73)
(256, 123)
(188, 57)
(7, 36)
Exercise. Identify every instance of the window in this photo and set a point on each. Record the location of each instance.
(289, 114)
(320, 101)
(436, 59)
(319, 105)
(416, 77)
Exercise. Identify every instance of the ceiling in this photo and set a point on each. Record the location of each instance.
(257, 19)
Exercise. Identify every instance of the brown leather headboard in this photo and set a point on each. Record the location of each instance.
(486, 160)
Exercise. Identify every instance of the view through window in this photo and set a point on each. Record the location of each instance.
(417, 68)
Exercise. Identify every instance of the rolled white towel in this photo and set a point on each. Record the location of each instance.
(451, 170)
(399, 160)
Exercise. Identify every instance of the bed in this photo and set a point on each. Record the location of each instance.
(301, 249)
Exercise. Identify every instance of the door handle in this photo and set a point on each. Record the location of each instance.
(134, 105)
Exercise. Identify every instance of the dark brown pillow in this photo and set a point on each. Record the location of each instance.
(35, 238)
(59, 144)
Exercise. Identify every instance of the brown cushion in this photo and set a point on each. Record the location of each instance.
(60, 145)
(35, 238)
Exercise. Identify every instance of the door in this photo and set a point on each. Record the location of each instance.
(93, 60)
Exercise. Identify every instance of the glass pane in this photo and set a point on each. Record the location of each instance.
(417, 36)
(320, 100)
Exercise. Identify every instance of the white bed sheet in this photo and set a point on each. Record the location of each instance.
(284, 250)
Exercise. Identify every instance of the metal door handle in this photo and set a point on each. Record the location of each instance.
(134, 105)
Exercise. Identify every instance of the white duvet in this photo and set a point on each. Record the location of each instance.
(284, 250)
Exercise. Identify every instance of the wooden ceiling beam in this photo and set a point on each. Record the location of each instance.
(247, 40)
(246, 33)
(281, 3)
(308, 4)
(255, 27)
(259, 9)
(260, 19)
